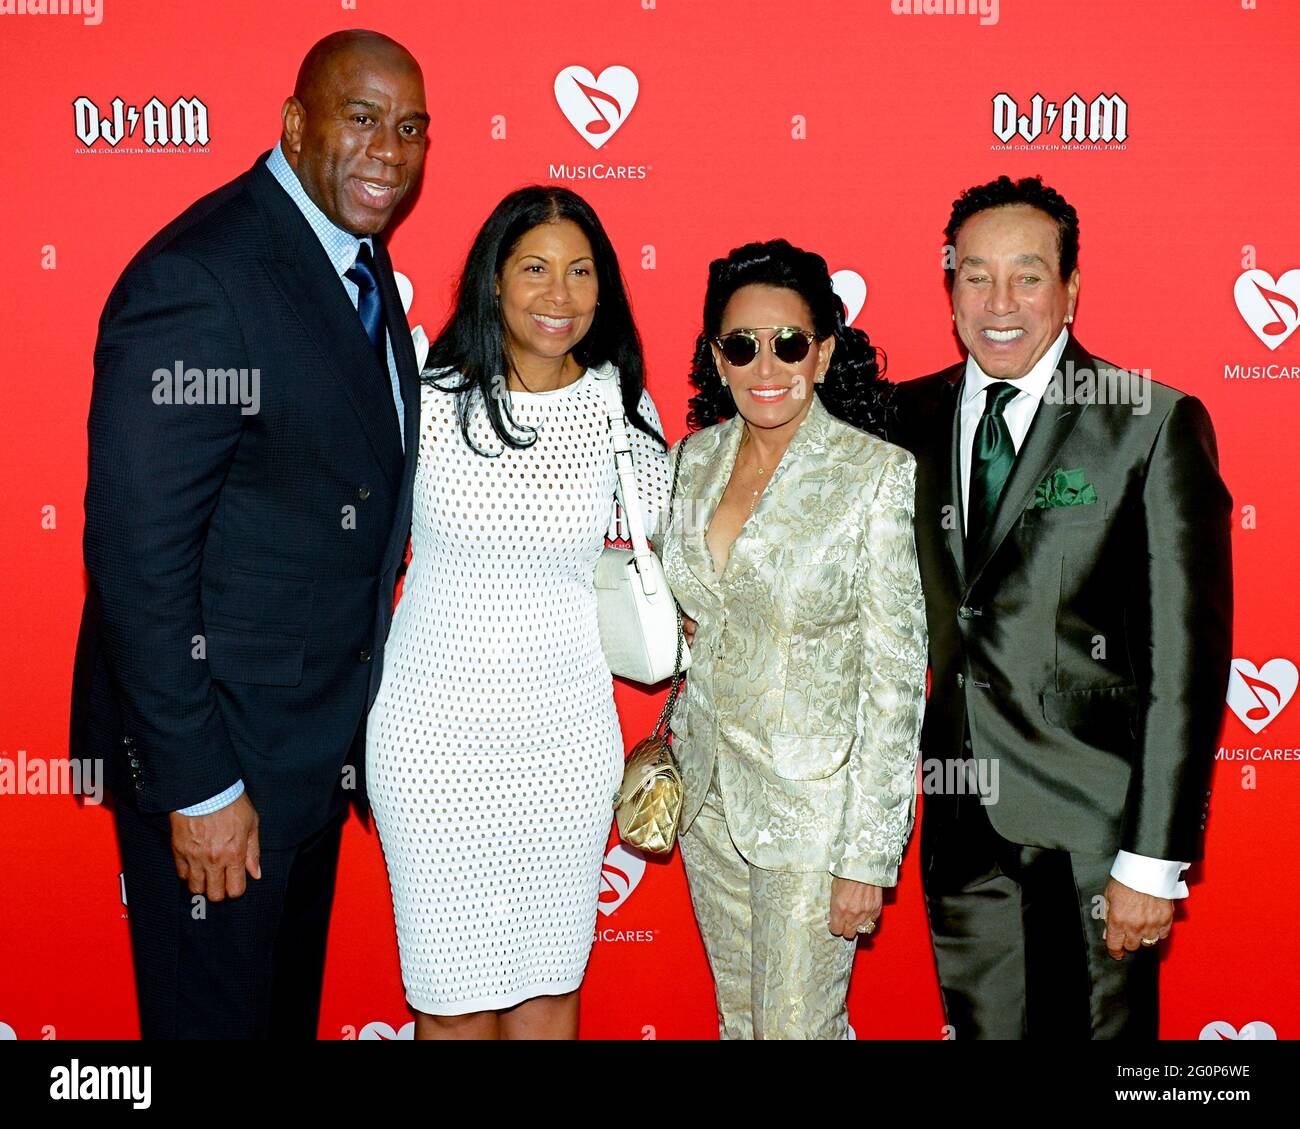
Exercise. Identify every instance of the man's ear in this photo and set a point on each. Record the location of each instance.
(293, 119)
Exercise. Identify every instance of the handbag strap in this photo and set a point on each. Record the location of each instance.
(666, 714)
(626, 469)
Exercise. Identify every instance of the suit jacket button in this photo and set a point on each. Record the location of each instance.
(363, 492)
(961, 679)
(964, 612)
(365, 655)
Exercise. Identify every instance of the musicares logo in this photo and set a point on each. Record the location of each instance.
(1258, 694)
(623, 870)
(851, 289)
(379, 1030)
(596, 107)
(1271, 309)
(1221, 1029)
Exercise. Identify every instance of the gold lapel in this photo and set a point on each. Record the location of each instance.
(703, 492)
(751, 544)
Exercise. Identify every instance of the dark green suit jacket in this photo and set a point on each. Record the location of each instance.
(1088, 648)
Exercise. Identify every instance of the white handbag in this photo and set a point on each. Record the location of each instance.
(640, 626)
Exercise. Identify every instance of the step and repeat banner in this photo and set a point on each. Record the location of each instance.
(692, 126)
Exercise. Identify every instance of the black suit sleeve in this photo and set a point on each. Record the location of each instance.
(155, 474)
(1188, 514)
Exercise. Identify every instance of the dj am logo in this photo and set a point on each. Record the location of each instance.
(596, 107)
(1258, 694)
(155, 127)
(1099, 124)
(1271, 309)
(621, 873)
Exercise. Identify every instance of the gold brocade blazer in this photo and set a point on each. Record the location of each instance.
(807, 681)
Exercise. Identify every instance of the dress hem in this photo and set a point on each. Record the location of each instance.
(497, 1003)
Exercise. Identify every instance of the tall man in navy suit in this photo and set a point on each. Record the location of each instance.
(252, 446)
(1073, 535)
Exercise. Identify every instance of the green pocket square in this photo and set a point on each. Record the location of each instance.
(1064, 488)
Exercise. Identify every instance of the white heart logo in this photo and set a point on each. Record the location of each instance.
(1257, 696)
(619, 876)
(7, 1032)
(1219, 1029)
(596, 107)
(1271, 309)
(852, 290)
(384, 1031)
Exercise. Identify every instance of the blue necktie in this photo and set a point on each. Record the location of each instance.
(362, 275)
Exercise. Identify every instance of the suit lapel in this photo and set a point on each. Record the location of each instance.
(408, 377)
(809, 440)
(950, 437)
(301, 269)
(712, 476)
(1052, 424)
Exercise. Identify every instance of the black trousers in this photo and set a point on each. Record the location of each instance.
(1017, 934)
(243, 968)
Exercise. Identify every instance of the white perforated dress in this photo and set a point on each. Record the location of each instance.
(493, 750)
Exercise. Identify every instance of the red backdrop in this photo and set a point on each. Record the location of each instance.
(847, 127)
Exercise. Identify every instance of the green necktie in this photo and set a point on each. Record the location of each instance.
(990, 462)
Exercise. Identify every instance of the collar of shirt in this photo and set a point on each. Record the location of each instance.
(1034, 383)
(341, 246)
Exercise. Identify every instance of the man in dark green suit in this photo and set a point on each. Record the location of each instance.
(1073, 535)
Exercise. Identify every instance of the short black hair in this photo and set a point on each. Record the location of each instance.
(1003, 192)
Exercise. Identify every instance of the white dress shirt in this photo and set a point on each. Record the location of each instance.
(1158, 877)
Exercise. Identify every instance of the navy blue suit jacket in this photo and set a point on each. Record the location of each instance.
(241, 565)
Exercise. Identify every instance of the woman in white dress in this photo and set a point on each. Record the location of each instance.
(494, 748)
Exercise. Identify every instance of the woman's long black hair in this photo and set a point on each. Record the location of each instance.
(472, 343)
(854, 388)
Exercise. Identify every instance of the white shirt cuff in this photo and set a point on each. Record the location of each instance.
(1157, 877)
(217, 802)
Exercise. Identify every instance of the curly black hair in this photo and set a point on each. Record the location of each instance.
(1004, 191)
(854, 388)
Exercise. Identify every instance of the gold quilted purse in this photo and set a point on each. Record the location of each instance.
(649, 801)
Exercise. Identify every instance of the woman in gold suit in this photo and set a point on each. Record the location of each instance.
(790, 545)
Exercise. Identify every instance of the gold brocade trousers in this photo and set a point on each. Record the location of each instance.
(778, 970)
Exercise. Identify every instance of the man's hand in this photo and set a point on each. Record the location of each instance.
(688, 628)
(212, 852)
(1131, 916)
(853, 904)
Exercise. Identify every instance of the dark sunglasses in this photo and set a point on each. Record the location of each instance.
(788, 344)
